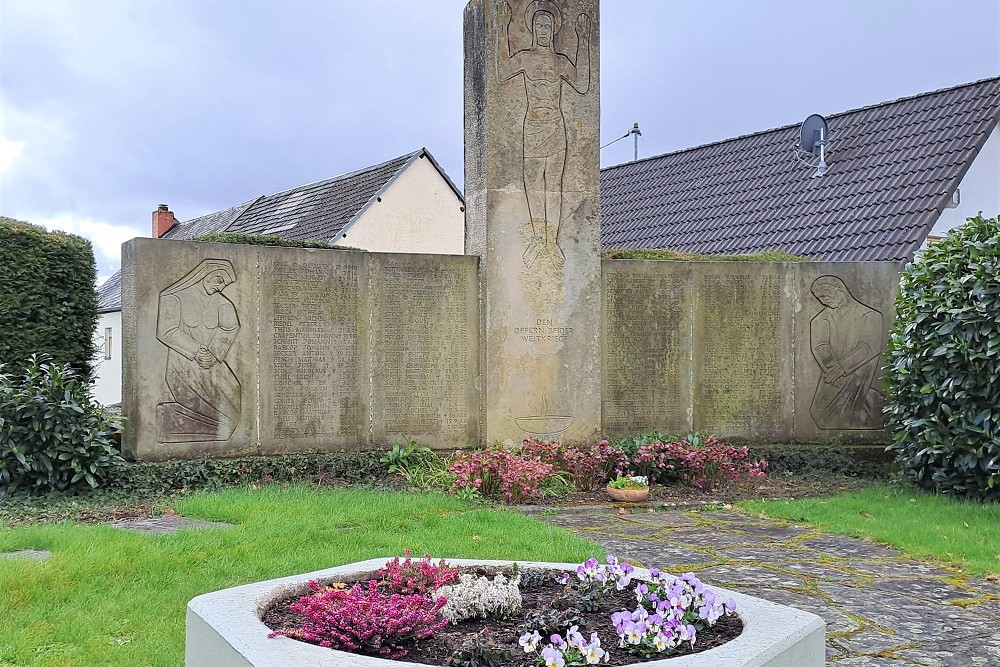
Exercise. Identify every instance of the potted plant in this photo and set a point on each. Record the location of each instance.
(632, 489)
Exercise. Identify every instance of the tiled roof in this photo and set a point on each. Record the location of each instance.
(893, 167)
(317, 211)
(109, 294)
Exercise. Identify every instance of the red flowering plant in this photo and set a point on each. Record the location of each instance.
(588, 468)
(704, 463)
(364, 619)
(408, 577)
(500, 474)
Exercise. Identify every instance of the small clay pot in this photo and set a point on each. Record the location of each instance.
(628, 495)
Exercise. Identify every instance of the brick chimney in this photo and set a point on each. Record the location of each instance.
(163, 221)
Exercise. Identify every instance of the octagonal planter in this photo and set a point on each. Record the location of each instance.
(224, 629)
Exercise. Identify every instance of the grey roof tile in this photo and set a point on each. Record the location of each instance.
(317, 211)
(892, 167)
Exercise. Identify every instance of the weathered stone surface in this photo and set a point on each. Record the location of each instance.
(532, 90)
(849, 547)
(927, 589)
(313, 350)
(707, 538)
(742, 351)
(26, 554)
(647, 338)
(843, 314)
(291, 361)
(189, 321)
(910, 618)
(748, 575)
(979, 652)
(426, 349)
(773, 554)
(165, 525)
(836, 621)
(900, 569)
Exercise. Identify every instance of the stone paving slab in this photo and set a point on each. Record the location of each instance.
(165, 525)
(882, 609)
(849, 547)
(26, 554)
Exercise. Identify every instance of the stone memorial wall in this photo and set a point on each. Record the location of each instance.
(756, 351)
(234, 350)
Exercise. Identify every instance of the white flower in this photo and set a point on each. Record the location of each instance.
(529, 642)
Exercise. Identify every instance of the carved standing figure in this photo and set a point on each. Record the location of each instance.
(847, 339)
(544, 70)
(198, 324)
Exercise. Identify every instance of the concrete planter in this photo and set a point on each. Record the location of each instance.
(628, 495)
(224, 630)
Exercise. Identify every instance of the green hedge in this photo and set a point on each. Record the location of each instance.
(678, 256)
(48, 304)
(267, 239)
(944, 364)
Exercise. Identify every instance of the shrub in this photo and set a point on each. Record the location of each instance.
(501, 474)
(943, 378)
(703, 463)
(52, 437)
(479, 597)
(587, 468)
(365, 619)
(409, 577)
(48, 304)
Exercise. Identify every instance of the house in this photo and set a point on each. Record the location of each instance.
(897, 171)
(407, 204)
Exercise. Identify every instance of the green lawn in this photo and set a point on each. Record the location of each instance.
(924, 525)
(111, 597)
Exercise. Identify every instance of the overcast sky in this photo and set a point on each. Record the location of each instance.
(110, 107)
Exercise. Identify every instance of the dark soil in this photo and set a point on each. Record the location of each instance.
(436, 649)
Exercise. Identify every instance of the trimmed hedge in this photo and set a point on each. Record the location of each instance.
(267, 239)
(944, 364)
(48, 303)
(678, 256)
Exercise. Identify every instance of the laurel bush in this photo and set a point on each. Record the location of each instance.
(944, 374)
(53, 436)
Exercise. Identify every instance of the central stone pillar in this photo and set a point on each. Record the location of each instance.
(532, 134)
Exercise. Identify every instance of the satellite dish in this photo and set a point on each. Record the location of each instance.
(813, 134)
(813, 137)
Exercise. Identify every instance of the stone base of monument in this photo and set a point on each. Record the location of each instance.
(224, 629)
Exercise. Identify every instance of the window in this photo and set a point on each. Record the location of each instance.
(107, 343)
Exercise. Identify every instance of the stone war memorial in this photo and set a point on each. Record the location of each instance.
(233, 350)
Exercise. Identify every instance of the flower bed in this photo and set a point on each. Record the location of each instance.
(225, 628)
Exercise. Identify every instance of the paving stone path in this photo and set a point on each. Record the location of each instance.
(165, 525)
(881, 608)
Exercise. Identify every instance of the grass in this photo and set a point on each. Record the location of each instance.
(112, 597)
(924, 525)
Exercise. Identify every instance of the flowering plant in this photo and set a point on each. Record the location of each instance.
(632, 482)
(364, 619)
(500, 474)
(670, 610)
(408, 577)
(573, 651)
(587, 467)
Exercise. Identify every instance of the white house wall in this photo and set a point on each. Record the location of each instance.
(419, 213)
(980, 189)
(108, 386)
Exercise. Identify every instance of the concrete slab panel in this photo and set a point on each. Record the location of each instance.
(843, 315)
(743, 351)
(190, 330)
(647, 347)
(314, 333)
(425, 316)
